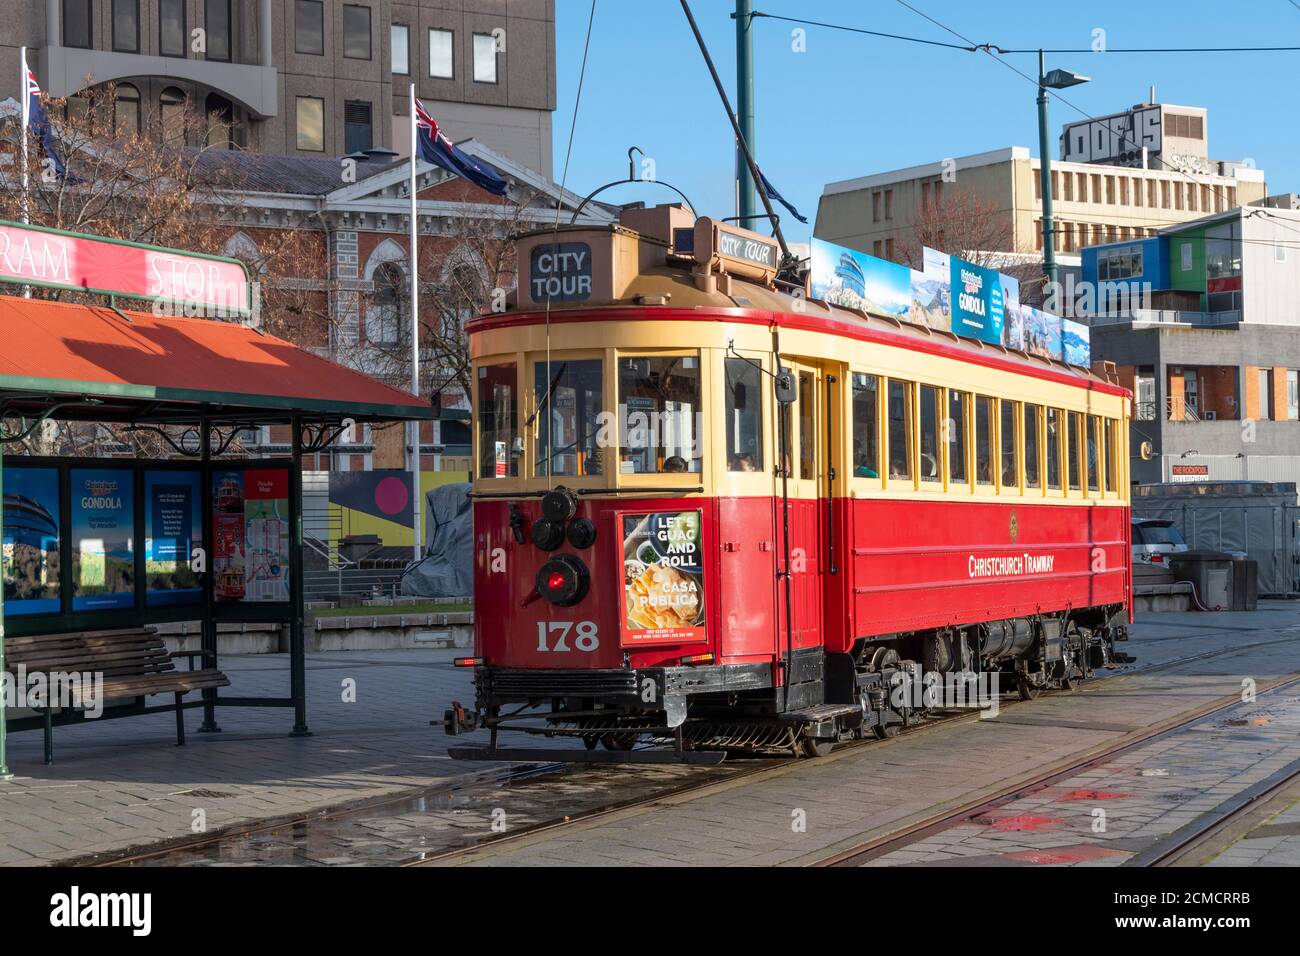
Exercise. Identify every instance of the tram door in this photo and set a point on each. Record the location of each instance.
(804, 457)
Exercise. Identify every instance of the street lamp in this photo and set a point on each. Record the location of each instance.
(1055, 80)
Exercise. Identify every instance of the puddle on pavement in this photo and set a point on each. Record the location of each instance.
(435, 821)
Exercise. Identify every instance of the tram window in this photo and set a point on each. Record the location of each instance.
(931, 428)
(866, 425)
(499, 444)
(744, 416)
(807, 426)
(1054, 449)
(983, 440)
(568, 399)
(1033, 421)
(1111, 433)
(955, 424)
(659, 413)
(900, 427)
(1094, 455)
(1072, 451)
(1010, 467)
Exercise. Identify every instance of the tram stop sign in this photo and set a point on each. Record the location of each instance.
(560, 272)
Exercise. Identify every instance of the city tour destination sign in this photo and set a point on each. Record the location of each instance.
(187, 282)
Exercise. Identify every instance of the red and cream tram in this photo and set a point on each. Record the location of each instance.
(712, 512)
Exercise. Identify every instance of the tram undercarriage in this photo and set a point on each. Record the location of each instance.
(699, 714)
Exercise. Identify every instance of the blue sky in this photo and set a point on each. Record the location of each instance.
(852, 105)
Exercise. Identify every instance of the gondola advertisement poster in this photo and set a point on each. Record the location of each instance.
(103, 539)
(663, 578)
(173, 529)
(31, 541)
(251, 539)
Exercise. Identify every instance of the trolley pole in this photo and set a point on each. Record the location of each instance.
(747, 209)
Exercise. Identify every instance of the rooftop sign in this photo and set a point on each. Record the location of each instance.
(185, 281)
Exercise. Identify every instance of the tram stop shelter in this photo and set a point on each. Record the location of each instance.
(105, 544)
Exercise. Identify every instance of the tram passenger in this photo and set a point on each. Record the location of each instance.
(863, 470)
(674, 464)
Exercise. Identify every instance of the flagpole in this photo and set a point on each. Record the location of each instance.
(27, 118)
(415, 335)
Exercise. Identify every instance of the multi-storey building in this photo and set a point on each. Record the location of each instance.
(309, 77)
(1203, 322)
(1100, 192)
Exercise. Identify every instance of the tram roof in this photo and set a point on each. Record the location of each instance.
(102, 364)
(752, 302)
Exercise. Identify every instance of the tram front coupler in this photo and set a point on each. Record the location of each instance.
(458, 720)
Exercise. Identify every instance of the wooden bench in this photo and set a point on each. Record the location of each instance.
(134, 662)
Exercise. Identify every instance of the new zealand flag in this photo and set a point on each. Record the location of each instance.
(436, 148)
(38, 120)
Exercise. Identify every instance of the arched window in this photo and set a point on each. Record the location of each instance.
(172, 110)
(384, 312)
(221, 121)
(126, 111)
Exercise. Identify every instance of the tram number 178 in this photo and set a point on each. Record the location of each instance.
(554, 636)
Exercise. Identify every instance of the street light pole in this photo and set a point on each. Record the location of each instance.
(1056, 80)
(747, 208)
(1045, 172)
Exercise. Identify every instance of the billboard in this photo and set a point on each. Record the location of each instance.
(1076, 343)
(663, 578)
(250, 535)
(949, 294)
(103, 539)
(173, 529)
(1042, 332)
(855, 280)
(32, 519)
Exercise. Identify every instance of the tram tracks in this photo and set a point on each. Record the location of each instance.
(930, 825)
(705, 782)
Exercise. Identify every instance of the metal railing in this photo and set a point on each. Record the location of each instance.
(1166, 317)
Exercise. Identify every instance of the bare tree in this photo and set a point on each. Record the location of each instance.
(967, 225)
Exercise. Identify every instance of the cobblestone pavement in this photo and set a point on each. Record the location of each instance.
(124, 784)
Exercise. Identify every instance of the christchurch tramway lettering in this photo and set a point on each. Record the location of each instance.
(1010, 565)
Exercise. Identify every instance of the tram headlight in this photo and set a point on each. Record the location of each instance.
(563, 580)
(559, 505)
(581, 533)
(547, 534)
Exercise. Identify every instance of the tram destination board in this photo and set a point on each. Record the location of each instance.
(560, 272)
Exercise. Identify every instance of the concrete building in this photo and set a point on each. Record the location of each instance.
(309, 77)
(1097, 197)
(1203, 322)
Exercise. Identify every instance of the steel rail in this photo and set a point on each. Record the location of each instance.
(491, 845)
(928, 826)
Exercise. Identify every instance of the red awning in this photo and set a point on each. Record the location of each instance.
(55, 348)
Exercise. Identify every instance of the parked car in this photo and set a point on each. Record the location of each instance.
(1154, 539)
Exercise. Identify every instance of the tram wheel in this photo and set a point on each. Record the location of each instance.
(885, 731)
(816, 747)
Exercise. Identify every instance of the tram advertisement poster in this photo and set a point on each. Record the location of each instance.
(251, 539)
(30, 548)
(173, 529)
(103, 539)
(663, 578)
(854, 280)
